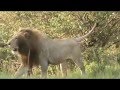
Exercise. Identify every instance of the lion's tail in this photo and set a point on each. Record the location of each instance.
(79, 39)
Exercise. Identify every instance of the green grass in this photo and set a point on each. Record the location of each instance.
(75, 75)
(93, 71)
(4, 75)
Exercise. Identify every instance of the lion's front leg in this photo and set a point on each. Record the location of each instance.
(22, 70)
(29, 72)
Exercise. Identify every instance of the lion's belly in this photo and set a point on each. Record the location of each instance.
(57, 59)
(60, 51)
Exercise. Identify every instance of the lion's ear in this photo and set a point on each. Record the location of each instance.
(27, 35)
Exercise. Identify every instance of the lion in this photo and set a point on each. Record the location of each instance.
(36, 49)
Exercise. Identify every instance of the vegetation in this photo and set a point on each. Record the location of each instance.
(101, 50)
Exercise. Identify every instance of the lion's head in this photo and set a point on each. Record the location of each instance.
(23, 41)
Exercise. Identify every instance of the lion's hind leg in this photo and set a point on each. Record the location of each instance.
(63, 67)
(79, 62)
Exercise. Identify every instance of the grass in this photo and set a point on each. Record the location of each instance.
(4, 75)
(74, 75)
(93, 71)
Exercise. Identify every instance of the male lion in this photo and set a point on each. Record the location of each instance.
(35, 49)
